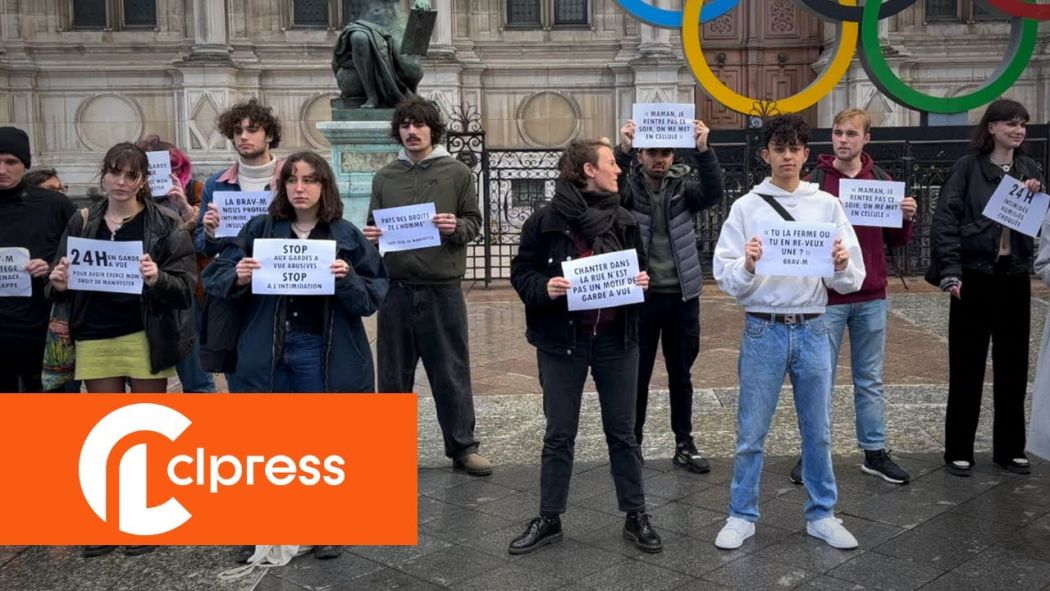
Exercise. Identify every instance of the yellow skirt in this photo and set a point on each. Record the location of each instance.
(126, 356)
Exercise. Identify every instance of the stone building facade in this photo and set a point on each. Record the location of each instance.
(80, 75)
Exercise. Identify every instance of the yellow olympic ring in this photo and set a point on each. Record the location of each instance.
(845, 48)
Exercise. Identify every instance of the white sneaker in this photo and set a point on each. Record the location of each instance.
(831, 531)
(734, 533)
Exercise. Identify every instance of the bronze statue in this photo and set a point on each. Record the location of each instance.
(367, 59)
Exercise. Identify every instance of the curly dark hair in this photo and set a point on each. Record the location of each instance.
(786, 130)
(576, 154)
(418, 110)
(331, 205)
(230, 120)
(1000, 110)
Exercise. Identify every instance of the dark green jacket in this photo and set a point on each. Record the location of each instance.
(449, 184)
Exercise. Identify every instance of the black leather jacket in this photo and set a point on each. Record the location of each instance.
(960, 235)
(166, 313)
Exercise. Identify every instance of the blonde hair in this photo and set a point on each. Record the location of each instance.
(859, 115)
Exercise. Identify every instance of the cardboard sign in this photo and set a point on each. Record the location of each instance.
(872, 203)
(237, 208)
(15, 281)
(664, 125)
(1017, 208)
(293, 267)
(797, 249)
(159, 173)
(407, 228)
(603, 281)
(104, 265)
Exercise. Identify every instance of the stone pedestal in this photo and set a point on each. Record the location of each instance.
(361, 145)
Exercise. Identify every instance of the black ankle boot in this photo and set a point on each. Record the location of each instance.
(639, 530)
(138, 550)
(541, 531)
(93, 551)
(327, 552)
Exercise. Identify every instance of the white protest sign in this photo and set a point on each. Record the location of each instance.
(872, 203)
(236, 208)
(104, 265)
(1017, 208)
(15, 281)
(407, 228)
(664, 125)
(797, 249)
(159, 173)
(603, 280)
(293, 267)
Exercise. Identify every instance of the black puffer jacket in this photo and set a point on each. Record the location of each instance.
(166, 313)
(686, 198)
(546, 241)
(960, 235)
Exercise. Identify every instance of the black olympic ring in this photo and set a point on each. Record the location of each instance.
(830, 10)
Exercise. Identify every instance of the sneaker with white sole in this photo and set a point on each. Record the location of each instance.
(833, 532)
(734, 533)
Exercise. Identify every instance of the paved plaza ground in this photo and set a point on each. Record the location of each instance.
(990, 531)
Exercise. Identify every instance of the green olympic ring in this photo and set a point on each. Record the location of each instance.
(1023, 36)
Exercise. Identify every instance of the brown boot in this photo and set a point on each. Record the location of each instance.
(473, 463)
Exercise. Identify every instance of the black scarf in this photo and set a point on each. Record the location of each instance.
(596, 214)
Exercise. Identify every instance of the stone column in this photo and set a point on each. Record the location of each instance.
(656, 40)
(441, 40)
(209, 31)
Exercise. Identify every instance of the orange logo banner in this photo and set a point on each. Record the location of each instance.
(229, 469)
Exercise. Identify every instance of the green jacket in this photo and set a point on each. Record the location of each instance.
(449, 184)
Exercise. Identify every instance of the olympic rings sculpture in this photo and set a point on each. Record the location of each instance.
(858, 26)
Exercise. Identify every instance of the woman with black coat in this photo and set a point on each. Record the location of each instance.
(985, 268)
(584, 218)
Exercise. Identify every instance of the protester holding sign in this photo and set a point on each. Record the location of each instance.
(33, 221)
(583, 219)
(784, 333)
(863, 311)
(425, 314)
(122, 336)
(665, 198)
(254, 131)
(183, 199)
(984, 266)
(303, 343)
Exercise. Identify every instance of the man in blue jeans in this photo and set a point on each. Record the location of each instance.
(784, 333)
(863, 311)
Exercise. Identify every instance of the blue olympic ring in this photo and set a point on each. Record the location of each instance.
(672, 19)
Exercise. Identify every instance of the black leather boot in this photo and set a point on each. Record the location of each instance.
(541, 531)
(327, 552)
(93, 551)
(639, 530)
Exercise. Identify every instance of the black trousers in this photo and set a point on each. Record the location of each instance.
(562, 377)
(997, 308)
(678, 323)
(20, 364)
(429, 322)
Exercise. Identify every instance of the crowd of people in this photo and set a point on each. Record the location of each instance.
(197, 313)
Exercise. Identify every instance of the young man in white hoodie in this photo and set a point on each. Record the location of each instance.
(784, 333)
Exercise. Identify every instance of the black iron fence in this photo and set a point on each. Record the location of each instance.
(514, 183)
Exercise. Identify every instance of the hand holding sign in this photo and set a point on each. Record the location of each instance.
(445, 222)
(149, 270)
(752, 252)
(1018, 206)
(59, 277)
(37, 267)
(627, 136)
(244, 270)
(212, 219)
(840, 255)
